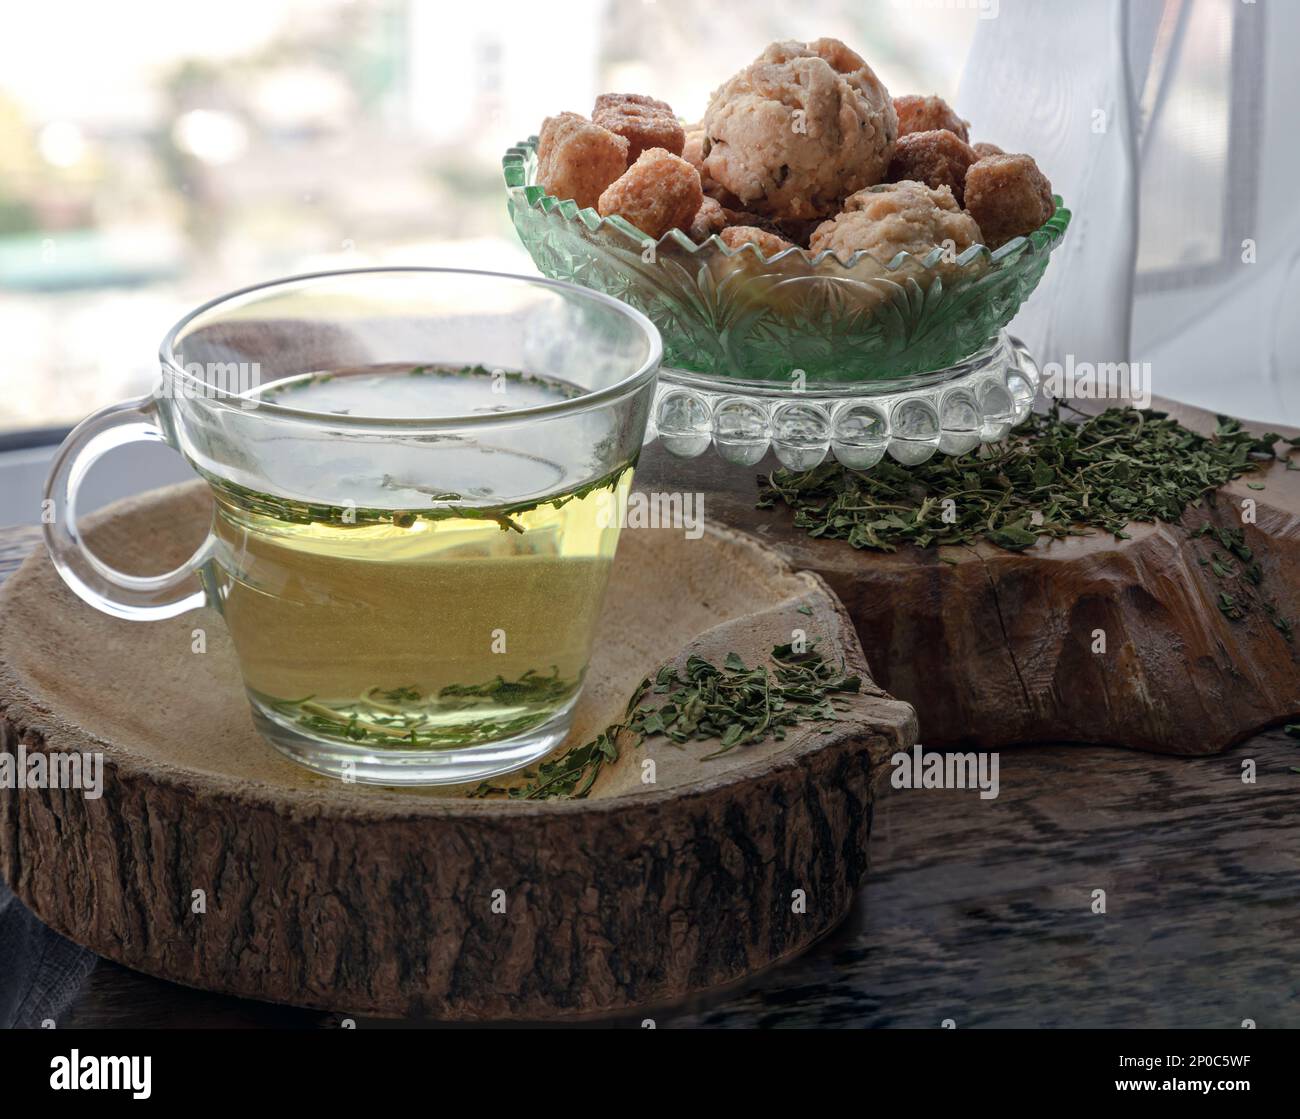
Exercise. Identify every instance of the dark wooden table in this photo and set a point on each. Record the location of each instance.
(982, 912)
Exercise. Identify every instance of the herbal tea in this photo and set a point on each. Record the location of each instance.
(410, 559)
(419, 614)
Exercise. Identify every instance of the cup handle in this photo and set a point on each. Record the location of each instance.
(137, 597)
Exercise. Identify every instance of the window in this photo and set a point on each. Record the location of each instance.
(154, 157)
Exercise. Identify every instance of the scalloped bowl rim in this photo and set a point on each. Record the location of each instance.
(521, 157)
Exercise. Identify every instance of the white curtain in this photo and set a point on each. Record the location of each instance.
(1168, 126)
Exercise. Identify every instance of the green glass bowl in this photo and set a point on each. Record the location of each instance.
(735, 314)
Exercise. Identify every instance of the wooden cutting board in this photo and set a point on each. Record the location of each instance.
(387, 902)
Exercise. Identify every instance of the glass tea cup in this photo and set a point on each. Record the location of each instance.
(418, 478)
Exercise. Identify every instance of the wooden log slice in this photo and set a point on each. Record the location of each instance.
(380, 901)
(995, 648)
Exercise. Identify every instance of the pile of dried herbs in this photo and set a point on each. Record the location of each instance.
(734, 704)
(1052, 477)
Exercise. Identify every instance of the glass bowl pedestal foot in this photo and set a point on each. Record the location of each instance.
(948, 411)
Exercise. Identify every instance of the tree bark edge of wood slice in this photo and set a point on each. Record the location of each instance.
(382, 902)
(996, 649)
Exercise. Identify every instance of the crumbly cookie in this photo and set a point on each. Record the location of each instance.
(577, 159)
(925, 114)
(1009, 196)
(693, 149)
(769, 244)
(892, 218)
(642, 121)
(619, 101)
(709, 219)
(659, 192)
(936, 158)
(798, 129)
(984, 148)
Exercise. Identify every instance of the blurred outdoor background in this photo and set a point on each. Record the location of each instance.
(156, 154)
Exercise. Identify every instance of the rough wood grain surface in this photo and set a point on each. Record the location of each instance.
(995, 648)
(981, 911)
(381, 901)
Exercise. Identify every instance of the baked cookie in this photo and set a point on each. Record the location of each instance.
(709, 219)
(798, 129)
(936, 158)
(642, 121)
(693, 149)
(1009, 196)
(577, 159)
(894, 218)
(925, 114)
(769, 244)
(659, 192)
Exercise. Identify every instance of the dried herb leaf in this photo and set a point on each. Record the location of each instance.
(1050, 478)
(1053, 477)
(735, 704)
